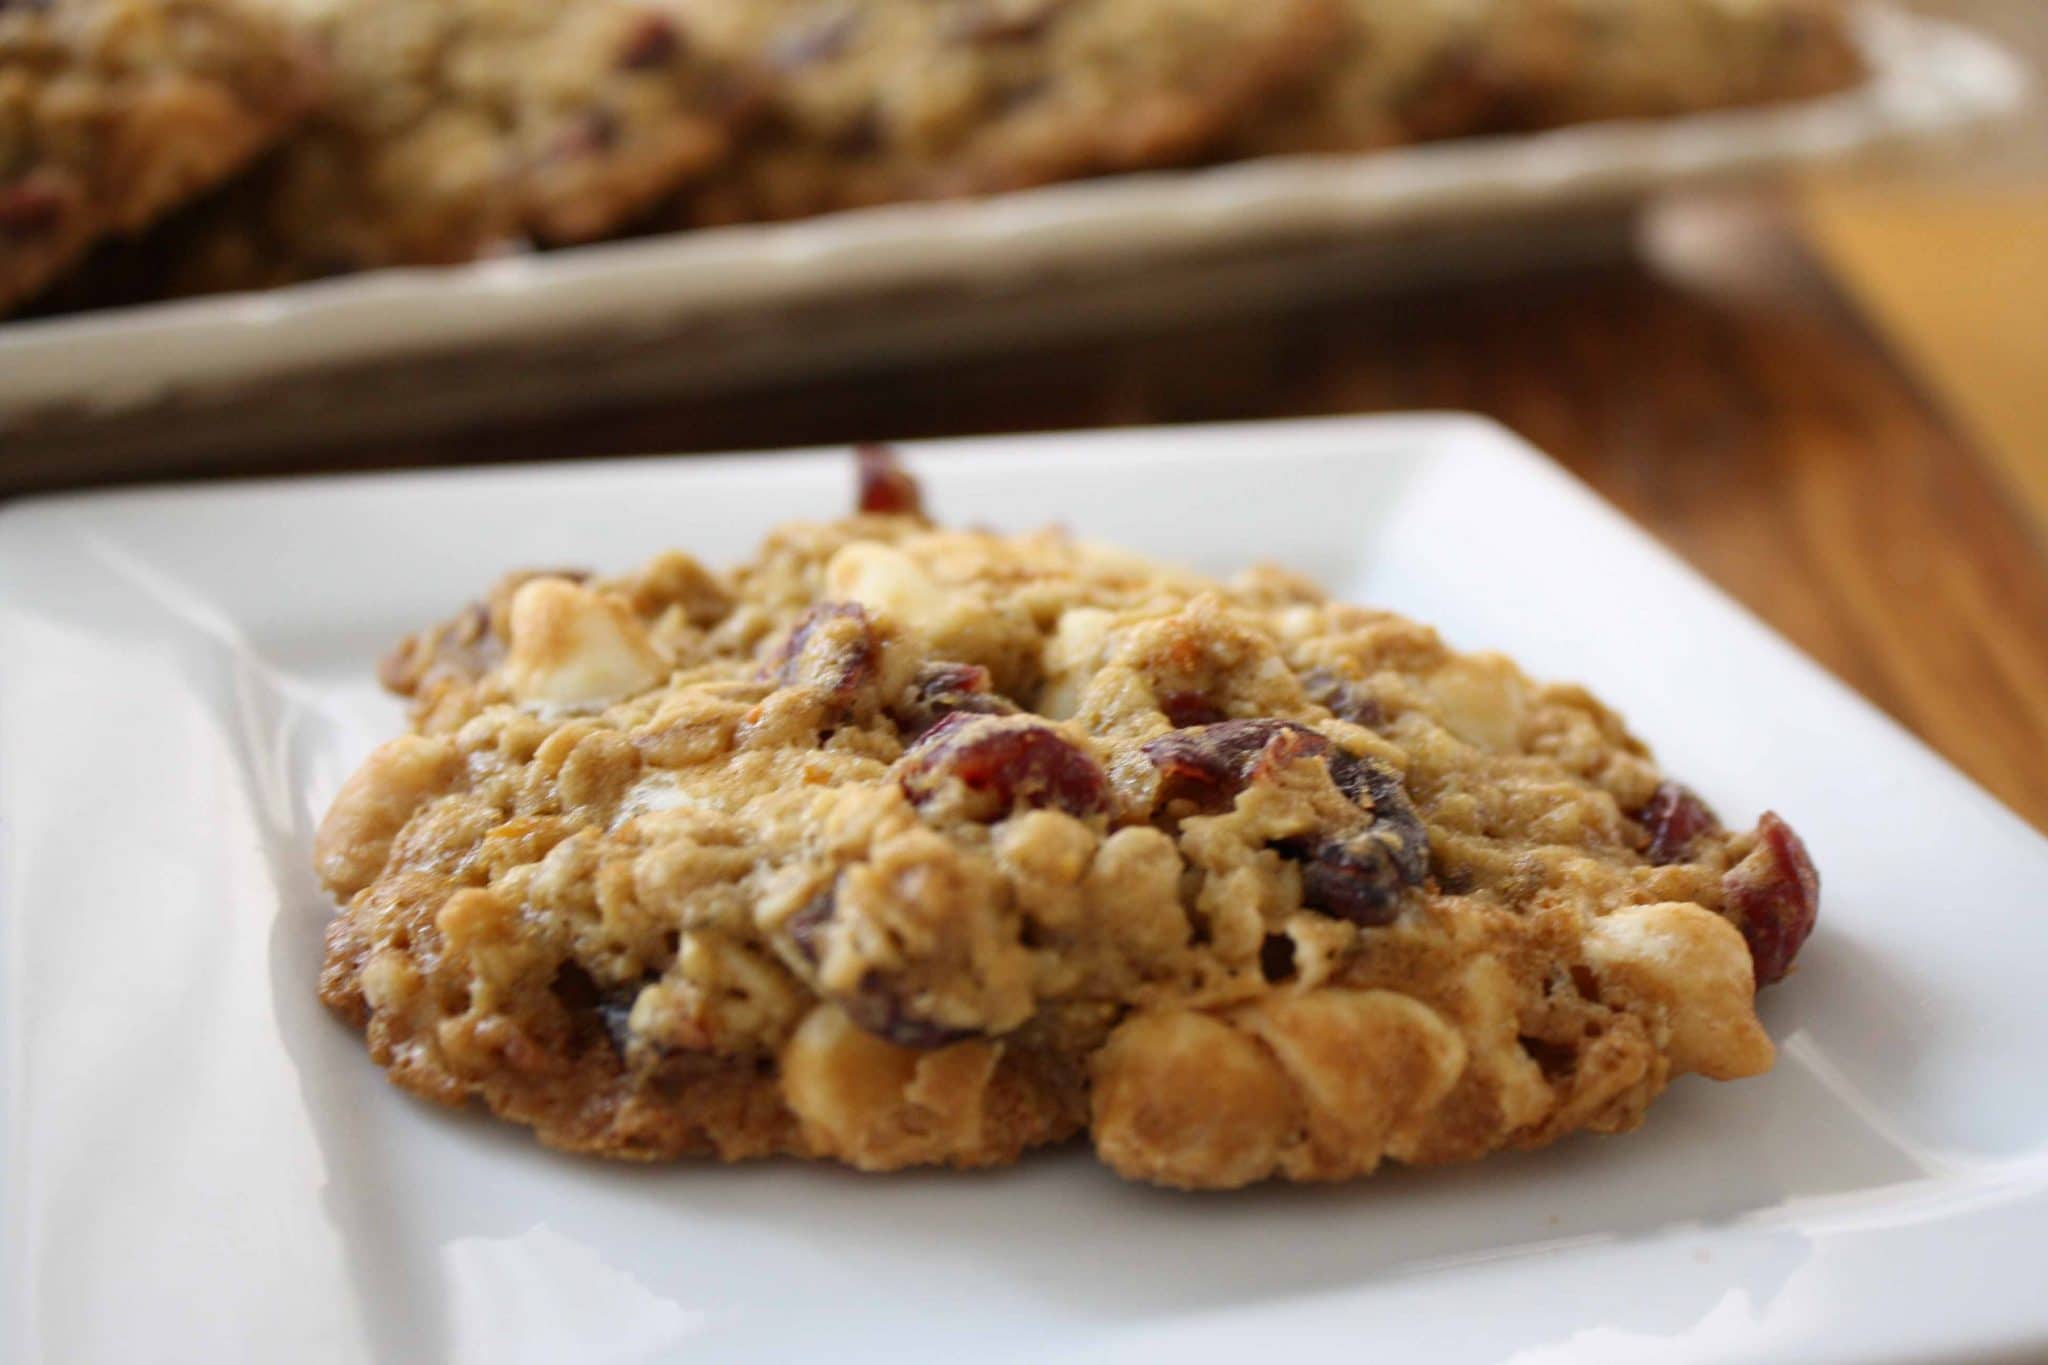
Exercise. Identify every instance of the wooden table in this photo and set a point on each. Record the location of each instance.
(1718, 388)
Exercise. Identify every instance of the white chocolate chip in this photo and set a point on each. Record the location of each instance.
(573, 647)
(1073, 652)
(888, 583)
(1481, 699)
(1695, 965)
(400, 776)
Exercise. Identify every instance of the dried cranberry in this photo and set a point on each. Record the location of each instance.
(877, 1009)
(944, 689)
(1210, 764)
(1395, 819)
(1185, 709)
(1345, 700)
(875, 1006)
(1774, 898)
(886, 488)
(1002, 764)
(806, 926)
(1674, 818)
(29, 206)
(654, 40)
(1358, 877)
(821, 653)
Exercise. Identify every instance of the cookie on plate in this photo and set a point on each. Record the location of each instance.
(112, 112)
(886, 100)
(458, 128)
(898, 845)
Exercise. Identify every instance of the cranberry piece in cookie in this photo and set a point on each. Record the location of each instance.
(1774, 898)
(1355, 874)
(1347, 701)
(945, 689)
(1187, 709)
(1394, 819)
(1674, 818)
(805, 927)
(878, 1010)
(997, 763)
(30, 206)
(1354, 878)
(1359, 876)
(874, 1005)
(886, 488)
(832, 648)
(1210, 764)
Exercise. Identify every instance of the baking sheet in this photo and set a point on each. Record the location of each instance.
(739, 304)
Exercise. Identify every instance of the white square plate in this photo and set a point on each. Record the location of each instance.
(201, 1165)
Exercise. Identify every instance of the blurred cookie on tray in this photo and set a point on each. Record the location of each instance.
(1404, 73)
(889, 100)
(457, 128)
(446, 131)
(113, 112)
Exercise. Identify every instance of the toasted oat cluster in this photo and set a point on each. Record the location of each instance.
(899, 845)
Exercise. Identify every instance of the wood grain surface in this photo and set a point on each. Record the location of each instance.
(1956, 276)
(1715, 386)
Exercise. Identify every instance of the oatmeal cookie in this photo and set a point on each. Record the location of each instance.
(886, 100)
(900, 845)
(461, 127)
(1447, 68)
(114, 111)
